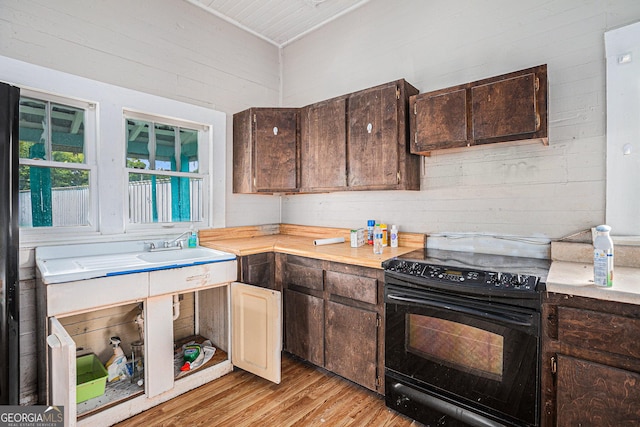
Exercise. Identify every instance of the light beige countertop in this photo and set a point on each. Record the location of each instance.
(576, 278)
(298, 240)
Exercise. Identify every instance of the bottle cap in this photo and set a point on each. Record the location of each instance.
(371, 222)
(603, 228)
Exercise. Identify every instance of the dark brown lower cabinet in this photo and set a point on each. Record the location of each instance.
(350, 343)
(304, 326)
(258, 270)
(333, 316)
(590, 361)
(590, 393)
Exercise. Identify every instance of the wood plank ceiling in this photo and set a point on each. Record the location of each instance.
(279, 21)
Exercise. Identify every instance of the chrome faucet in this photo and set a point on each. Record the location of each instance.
(177, 242)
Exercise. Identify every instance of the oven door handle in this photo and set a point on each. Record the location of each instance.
(510, 319)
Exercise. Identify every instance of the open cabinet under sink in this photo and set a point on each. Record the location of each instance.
(242, 323)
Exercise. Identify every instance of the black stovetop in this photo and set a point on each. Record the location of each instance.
(471, 272)
(481, 262)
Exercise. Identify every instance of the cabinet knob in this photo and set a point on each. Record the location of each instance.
(369, 128)
(275, 130)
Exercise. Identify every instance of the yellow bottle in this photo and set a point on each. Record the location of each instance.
(385, 235)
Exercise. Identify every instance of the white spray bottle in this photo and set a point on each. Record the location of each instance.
(603, 257)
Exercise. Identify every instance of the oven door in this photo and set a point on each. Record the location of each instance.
(476, 353)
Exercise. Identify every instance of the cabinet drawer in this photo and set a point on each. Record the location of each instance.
(88, 294)
(191, 278)
(357, 288)
(599, 331)
(304, 276)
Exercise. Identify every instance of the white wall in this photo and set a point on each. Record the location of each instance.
(623, 130)
(168, 48)
(513, 189)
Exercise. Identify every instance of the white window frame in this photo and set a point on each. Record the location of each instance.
(205, 140)
(90, 146)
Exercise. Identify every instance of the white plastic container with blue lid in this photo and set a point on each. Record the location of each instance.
(603, 257)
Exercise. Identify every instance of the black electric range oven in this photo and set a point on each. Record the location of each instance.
(462, 337)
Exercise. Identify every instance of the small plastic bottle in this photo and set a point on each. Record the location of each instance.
(603, 257)
(385, 235)
(193, 240)
(394, 236)
(370, 225)
(377, 240)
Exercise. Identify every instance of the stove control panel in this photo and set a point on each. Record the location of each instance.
(463, 277)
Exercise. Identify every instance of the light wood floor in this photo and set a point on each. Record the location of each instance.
(307, 396)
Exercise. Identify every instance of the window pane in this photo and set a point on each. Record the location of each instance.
(138, 144)
(67, 134)
(157, 198)
(53, 197)
(166, 148)
(189, 149)
(33, 120)
(58, 137)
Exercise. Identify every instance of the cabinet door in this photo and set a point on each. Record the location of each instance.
(439, 120)
(63, 370)
(304, 326)
(373, 160)
(274, 160)
(323, 148)
(256, 330)
(351, 343)
(505, 108)
(258, 270)
(591, 394)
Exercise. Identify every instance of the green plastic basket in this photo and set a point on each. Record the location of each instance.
(91, 377)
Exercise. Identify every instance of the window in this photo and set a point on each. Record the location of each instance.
(55, 175)
(76, 144)
(166, 175)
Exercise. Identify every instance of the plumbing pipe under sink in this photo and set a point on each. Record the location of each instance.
(176, 306)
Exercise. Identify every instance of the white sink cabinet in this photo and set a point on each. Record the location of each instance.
(234, 314)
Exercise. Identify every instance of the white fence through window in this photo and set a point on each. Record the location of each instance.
(70, 205)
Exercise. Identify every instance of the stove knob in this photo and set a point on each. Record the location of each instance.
(493, 279)
(398, 266)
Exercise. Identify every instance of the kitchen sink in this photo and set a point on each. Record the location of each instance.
(59, 264)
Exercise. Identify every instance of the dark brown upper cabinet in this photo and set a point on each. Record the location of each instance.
(358, 141)
(439, 120)
(504, 108)
(378, 155)
(265, 150)
(323, 146)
